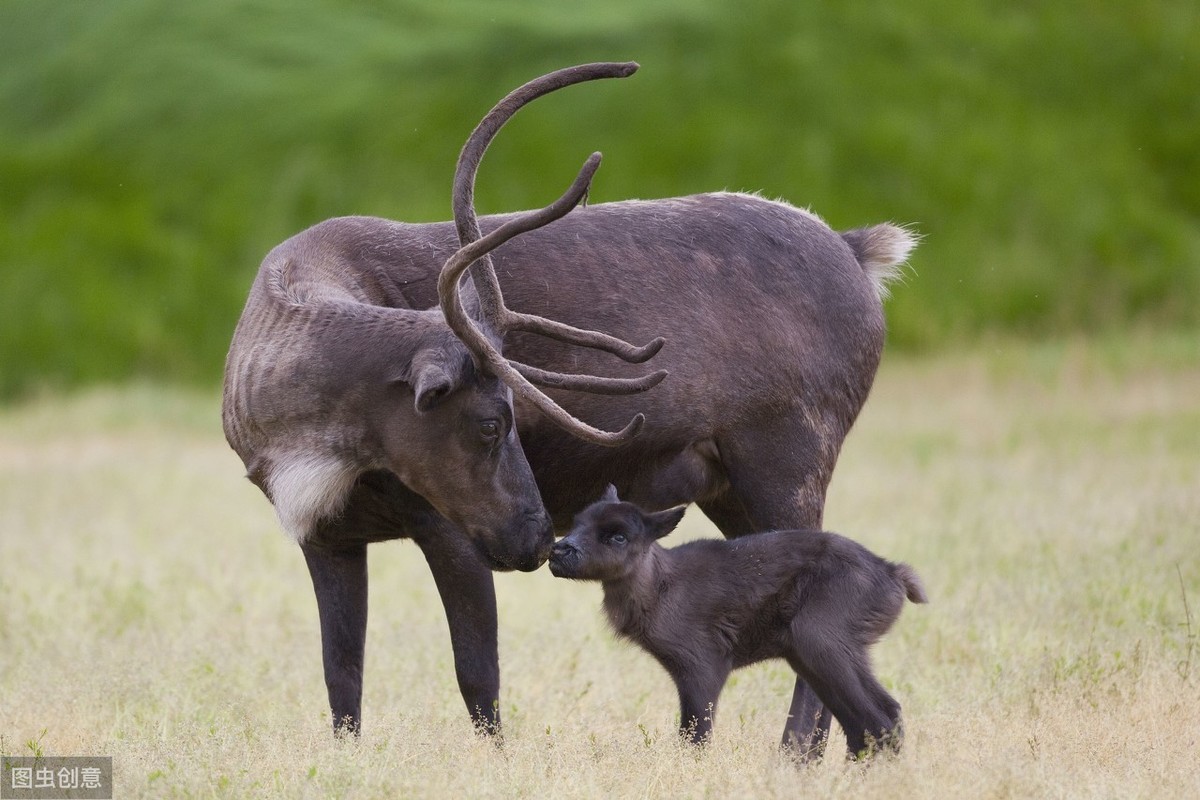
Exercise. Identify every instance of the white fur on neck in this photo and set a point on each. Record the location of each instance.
(306, 488)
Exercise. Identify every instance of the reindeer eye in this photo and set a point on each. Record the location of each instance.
(489, 430)
(617, 538)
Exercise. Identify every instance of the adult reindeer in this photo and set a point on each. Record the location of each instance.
(776, 331)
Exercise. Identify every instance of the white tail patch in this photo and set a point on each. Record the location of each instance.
(306, 488)
(882, 250)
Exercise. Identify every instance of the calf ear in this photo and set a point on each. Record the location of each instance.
(660, 523)
(610, 494)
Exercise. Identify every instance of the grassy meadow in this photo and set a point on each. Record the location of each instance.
(1049, 494)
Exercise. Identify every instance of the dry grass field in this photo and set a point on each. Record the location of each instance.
(1049, 495)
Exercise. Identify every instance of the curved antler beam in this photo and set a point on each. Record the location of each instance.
(487, 287)
(475, 340)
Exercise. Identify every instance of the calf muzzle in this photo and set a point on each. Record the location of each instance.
(564, 559)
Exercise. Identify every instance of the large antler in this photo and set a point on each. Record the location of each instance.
(512, 373)
(475, 252)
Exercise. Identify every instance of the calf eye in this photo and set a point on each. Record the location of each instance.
(617, 538)
(489, 430)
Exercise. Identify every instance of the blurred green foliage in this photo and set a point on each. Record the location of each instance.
(151, 152)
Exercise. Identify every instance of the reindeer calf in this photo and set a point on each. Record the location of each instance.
(707, 607)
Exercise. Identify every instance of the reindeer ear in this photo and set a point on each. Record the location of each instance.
(431, 384)
(660, 523)
(432, 375)
(610, 494)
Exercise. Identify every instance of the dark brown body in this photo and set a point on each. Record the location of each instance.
(774, 330)
(705, 608)
(773, 327)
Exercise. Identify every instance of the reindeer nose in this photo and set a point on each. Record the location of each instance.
(564, 559)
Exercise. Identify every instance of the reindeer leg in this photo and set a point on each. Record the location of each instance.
(778, 472)
(888, 726)
(468, 595)
(806, 731)
(339, 579)
(807, 728)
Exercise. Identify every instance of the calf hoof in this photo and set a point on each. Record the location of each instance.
(886, 743)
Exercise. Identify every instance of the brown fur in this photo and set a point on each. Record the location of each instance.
(705, 608)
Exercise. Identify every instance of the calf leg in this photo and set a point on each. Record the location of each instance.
(889, 733)
(699, 691)
(468, 595)
(843, 681)
(339, 579)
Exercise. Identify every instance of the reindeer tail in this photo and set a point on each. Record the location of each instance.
(913, 588)
(882, 251)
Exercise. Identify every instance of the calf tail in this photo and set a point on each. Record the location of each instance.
(882, 251)
(914, 590)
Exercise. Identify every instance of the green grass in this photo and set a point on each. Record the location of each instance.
(151, 153)
(151, 610)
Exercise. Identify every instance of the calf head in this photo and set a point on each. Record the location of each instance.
(609, 539)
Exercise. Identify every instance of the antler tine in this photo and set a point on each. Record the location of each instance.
(478, 343)
(513, 321)
(588, 383)
(487, 287)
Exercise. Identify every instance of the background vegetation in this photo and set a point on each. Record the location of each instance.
(151, 611)
(152, 152)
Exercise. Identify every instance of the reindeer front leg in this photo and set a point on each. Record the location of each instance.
(339, 579)
(468, 595)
